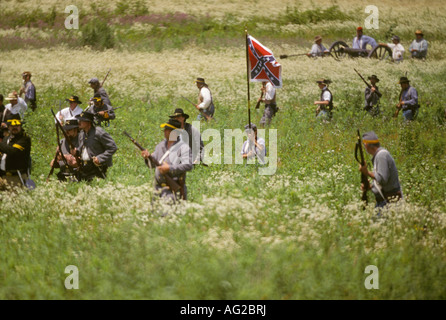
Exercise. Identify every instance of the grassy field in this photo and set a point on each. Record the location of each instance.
(298, 234)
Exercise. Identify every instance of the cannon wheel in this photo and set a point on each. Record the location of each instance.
(381, 52)
(335, 49)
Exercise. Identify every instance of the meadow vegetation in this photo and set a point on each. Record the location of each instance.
(301, 233)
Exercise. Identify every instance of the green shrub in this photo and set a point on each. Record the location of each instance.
(98, 34)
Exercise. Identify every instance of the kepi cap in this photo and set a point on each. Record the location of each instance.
(370, 138)
(94, 80)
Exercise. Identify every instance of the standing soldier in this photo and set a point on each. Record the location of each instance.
(386, 185)
(269, 99)
(15, 155)
(96, 148)
(325, 104)
(418, 47)
(194, 141)
(408, 100)
(98, 89)
(29, 90)
(372, 96)
(174, 157)
(69, 167)
(205, 103)
(102, 111)
(17, 105)
(72, 111)
(397, 49)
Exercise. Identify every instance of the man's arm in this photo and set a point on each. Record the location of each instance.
(109, 146)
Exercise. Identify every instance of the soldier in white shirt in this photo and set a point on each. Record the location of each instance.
(397, 49)
(254, 146)
(318, 49)
(269, 99)
(17, 105)
(72, 111)
(205, 103)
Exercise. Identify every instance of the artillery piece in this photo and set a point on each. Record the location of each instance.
(339, 50)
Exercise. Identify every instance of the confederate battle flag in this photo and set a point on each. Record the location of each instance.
(262, 64)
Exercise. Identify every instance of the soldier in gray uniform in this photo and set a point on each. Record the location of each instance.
(102, 111)
(98, 89)
(372, 96)
(193, 138)
(96, 148)
(386, 185)
(174, 157)
(68, 167)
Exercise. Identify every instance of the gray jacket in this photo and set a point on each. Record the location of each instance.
(179, 158)
(386, 173)
(99, 144)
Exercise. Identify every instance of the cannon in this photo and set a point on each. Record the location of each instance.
(339, 50)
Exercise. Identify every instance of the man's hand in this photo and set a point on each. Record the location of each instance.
(164, 168)
(96, 161)
(363, 169)
(145, 154)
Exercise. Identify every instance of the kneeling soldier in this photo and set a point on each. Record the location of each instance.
(96, 148)
(102, 111)
(15, 154)
(386, 185)
(174, 158)
(68, 167)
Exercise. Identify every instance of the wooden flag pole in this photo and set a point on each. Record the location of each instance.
(247, 78)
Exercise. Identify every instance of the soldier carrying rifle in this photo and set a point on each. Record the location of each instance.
(172, 158)
(386, 185)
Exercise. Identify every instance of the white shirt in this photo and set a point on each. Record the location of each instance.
(397, 51)
(318, 50)
(205, 98)
(67, 113)
(19, 108)
(247, 147)
(326, 96)
(270, 91)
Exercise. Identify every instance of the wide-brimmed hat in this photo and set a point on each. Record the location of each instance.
(94, 80)
(12, 96)
(97, 97)
(370, 138)
(403, 80)
(373, 77)
(26, 73)
(179, 112)
(317, 38)
(14, 120)
(172, 124)
(85, 116)
(200, 80)
(71, 124)
(324, 81)
(419, 32)
(74, 99)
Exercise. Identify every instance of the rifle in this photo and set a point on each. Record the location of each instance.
(364, 178)
(67, 138)
(173, 185)
(260, 100)
(399, 106)
(284, 56)
(204, 114)
(367, 84)
(105, 77)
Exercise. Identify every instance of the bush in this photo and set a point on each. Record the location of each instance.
(98, 34)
